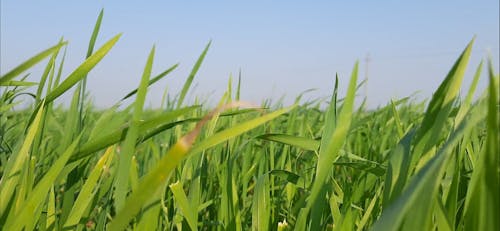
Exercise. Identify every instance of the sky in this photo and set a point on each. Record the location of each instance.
(282, 48)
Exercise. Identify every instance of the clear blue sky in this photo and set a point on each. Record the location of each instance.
(282, 47)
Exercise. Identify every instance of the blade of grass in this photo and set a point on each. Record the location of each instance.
(12, 170)
(155, 178)
(481, 204)
(190, 78)
(464, 107)
(332, 141)
(29, 63)
(152, 81)
(14, 83)
(81, 71)
(300, 142)
(183, 204)
(439, 108)
(37, 197)
(82, 87)
(122, 177)
(261, 204)
(163, 121)
(88, 190)
(423, 186)
(238, 129)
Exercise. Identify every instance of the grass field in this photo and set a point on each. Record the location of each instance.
(431, 165)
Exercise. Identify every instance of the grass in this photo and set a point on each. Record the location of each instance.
(405, 166)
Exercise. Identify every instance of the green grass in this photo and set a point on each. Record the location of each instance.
(404, 166)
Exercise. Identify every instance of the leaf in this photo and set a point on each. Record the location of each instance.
(334, 135)
(300, 142)
(190, 78)
(36, 198)
(423, 186)
(159, 123)
(183, 204)
(440, 108)
(88, 190)
(11, 174)
(122, 175)
(157, 176)
(481, 204)
(261, 204)
(29, 63)
(81, 71)
(152, 81)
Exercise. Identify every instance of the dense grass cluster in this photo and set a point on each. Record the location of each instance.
(410, 166)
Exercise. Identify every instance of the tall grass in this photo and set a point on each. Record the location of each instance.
(405, 166)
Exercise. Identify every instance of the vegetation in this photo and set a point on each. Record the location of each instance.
(411, 166)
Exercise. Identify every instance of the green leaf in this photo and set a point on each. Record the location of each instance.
(236, 130)
(261, 204)
(122, 175)
(88, 190)
(82, 71)
(190, 78)
(29, 63)
(11, 174)
(481, 204)
(152, 81)
(20, 83)
(440, 108)
(334, 135)
(183, 204)
(157, 176)
(300, 142)
(36, 198)
(146, 129)
(423, 186)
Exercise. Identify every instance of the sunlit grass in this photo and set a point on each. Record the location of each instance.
(405, 166)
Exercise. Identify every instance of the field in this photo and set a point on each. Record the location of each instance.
(410, 165)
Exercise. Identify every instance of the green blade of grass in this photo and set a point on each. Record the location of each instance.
(51, 209)
(29, 63)
(399, 160)
(163, 121)
(14, 83)
(332, 140)
(25, 217)
(369, 210)
(82, 87)
(190, 78)
(48, 69)
(59, 72)
(82, 71)
(261, 204)
(154, 179)
(183, 204)
(236, 130)
(12, 170)
(300, 142)
(464, 107)
(88, 190)
(481, 205)
(397, 119)
(423, 186)
(439, 108)
(152, 81)
(122, 177)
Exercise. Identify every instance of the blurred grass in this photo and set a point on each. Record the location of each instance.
(405, 166)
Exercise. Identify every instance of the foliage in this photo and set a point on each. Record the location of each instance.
(405, 166)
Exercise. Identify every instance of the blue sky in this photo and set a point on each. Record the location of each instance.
(282, 47)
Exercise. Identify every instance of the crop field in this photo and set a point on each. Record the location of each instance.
(432, 165)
